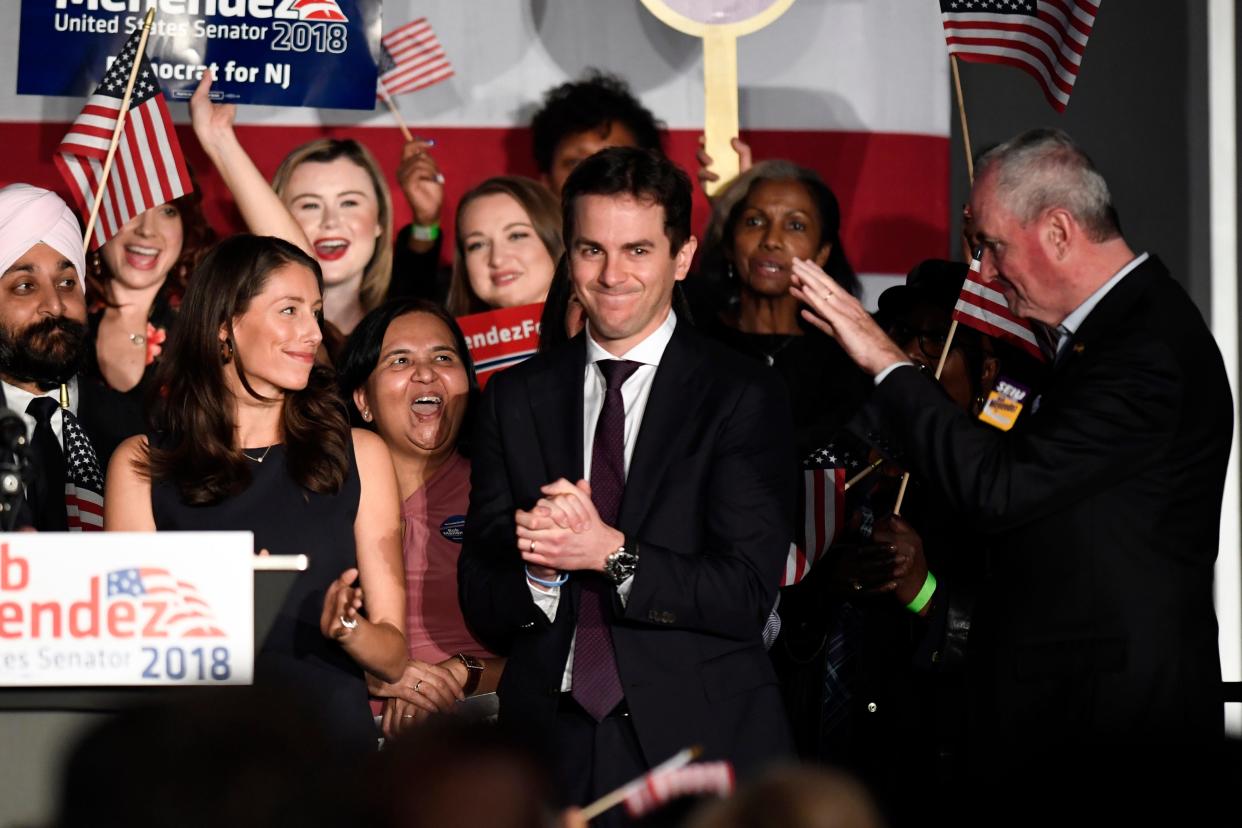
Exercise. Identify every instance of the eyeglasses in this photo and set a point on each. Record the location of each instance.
(930, 343)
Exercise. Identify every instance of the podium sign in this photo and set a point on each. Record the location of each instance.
(126, 609)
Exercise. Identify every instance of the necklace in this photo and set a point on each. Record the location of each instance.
(770, 355)
(260, 458)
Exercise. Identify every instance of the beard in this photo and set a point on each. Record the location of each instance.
(47, 353)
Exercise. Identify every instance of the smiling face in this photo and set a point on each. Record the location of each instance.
(778, 222)
(418, 392)
(337, 207)
(278, 334)
(506, 261)
(144, 251)
(623, 269)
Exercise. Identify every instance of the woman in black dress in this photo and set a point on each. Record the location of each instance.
(250, 435)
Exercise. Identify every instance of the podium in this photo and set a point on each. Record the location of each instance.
(40, 724)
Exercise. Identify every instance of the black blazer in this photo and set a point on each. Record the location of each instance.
(1097, 622)
(709, 499)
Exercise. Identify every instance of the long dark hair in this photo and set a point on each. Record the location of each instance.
(193, 412)
(361, 354)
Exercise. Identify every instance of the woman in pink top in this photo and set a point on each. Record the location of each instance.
(408, 370)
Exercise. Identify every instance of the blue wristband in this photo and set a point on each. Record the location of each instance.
(564, 576)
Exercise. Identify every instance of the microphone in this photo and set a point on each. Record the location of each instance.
(12, 430)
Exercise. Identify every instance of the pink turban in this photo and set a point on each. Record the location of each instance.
(29, 215)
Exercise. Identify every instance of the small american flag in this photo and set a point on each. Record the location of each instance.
(148, 169)
(186, 614)
(703, 778)
(821, 513)
(411, 58)
(1045, 38)
(84, 484)
(986, 310)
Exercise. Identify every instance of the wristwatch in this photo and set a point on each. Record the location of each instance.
(474, 672)
(621, 564)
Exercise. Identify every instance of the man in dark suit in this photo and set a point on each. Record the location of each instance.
(1096, 633)
(44, 340)
(631, 506)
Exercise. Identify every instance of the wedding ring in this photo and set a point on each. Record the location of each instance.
(417, 685)
(532, 546)
(407, 715)
(347, 623)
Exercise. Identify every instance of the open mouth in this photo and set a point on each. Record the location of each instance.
(427, 405)
(768, 267)
(141, 257)
(504, 277)
(329, 250)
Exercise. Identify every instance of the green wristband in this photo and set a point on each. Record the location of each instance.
(425, 232)
(925, 594)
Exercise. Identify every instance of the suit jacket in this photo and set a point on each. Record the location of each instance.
(1096, 623)
(709, 500)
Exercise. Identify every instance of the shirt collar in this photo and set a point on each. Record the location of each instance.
(16, 399)
(648, 352)
(1071, 323)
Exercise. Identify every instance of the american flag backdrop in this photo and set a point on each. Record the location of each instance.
(148, 169)
(985, 309)
(411, 58)
(1045, 38)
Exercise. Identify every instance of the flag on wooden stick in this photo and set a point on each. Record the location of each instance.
(985, 309)
(821, 513)
(1045, 38)
(148, 169)
(411, 58)
(660, 788)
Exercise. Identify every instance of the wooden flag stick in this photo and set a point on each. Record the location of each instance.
(849, 484)
(120, 125)
(396, 113)
(970, 173)
(944, 356)
(961, 113)
(618, 796)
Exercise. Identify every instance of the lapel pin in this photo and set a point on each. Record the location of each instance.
(1079, 347)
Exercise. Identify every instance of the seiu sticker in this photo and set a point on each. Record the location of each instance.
(454, 528)
(1004, 404)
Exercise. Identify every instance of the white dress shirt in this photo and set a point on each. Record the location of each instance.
(635, 393)
(1071, 323)
(17, 400)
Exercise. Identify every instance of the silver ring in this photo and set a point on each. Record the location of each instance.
(407, 715)
(348, 624)
(417, 685)
(532, 546)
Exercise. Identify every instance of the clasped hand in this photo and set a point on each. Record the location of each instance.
(564, 532)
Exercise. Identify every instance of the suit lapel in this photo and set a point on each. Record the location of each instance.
(670, 415)
(556, 402)
(1110, 313)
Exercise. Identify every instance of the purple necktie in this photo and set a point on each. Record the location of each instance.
(596, 682)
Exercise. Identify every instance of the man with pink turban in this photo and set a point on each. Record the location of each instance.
(43, 341)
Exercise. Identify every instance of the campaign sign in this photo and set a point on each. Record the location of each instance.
(319, 53)
(126, 609)
(501, 338)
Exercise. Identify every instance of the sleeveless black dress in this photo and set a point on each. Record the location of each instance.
(288, 520)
